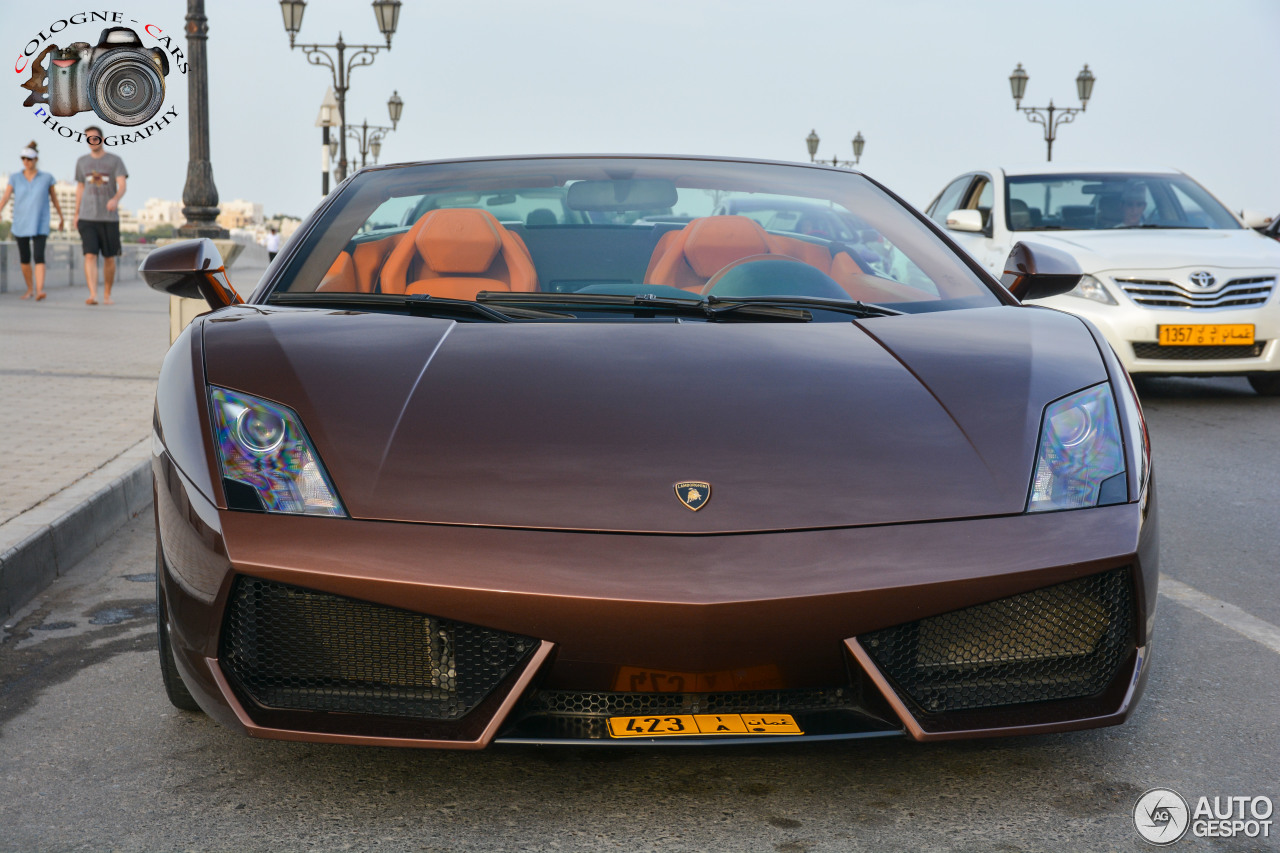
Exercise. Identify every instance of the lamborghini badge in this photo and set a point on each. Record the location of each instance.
(694, 495)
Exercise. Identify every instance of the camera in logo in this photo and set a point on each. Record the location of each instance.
(119, 79)
(1161, 816)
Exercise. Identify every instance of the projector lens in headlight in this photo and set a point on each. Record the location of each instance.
(1080, 461)
(262, 445)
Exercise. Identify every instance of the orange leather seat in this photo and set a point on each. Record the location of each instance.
(689, 257)
(802, 250)
(354, 272)
(866, 287)
(702, 248)
(456, 253)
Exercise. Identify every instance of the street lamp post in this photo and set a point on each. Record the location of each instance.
(328, 118)
(199, 194)
(812, 140)
(388, 15)
(368, 137)
(1051, 117)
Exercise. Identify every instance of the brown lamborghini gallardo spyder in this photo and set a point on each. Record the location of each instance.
(540, 450)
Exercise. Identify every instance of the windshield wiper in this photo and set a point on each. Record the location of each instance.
(418, 305)
(704, 308)
(1166, 227)
(719, 305)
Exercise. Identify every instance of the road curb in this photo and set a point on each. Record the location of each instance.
(51, 537)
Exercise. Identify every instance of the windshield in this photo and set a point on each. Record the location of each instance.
(1088, 202)
(603, 228)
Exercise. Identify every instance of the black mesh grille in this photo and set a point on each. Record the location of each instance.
(1175, 353)
(1061, 642)
(556, 714)
(296, 649)
(575, 704)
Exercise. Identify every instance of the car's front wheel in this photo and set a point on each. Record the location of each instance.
(1266, 384)
(174, 687)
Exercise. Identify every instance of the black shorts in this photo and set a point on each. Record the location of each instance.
(24, 248)
(100, 238)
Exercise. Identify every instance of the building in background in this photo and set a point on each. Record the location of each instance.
(159, 212)
(240, 214)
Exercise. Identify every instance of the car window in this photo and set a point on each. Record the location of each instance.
(981, 197)
(949, 200)
(1111, 200)
(676, 228)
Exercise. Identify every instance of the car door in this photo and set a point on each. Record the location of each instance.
(956, 195)
(991, 246)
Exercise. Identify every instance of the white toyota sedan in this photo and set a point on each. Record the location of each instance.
(1174, 279)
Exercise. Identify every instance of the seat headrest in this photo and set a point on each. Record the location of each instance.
(1019, 214)
(459, 240)
(539, 217)
(716, 241)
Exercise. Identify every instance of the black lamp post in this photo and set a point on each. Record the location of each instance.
(199, 194)
(368, 135)
(388, 14)
(328, 118)
(1051, 117)
(811, 142)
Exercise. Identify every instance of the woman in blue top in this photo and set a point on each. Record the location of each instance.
(32, 190)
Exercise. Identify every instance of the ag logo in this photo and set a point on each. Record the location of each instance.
(1161, 816)
(693, 494)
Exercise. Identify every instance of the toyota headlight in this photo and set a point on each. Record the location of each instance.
(1080, 461)
(1091, 288)
(263, 446)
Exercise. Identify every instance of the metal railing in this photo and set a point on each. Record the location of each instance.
(64, 265)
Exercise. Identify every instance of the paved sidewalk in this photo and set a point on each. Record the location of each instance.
(78, 387)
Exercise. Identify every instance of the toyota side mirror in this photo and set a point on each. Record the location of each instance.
(965, 220)
(1254, 219)
(1036, 271)
(192, 269)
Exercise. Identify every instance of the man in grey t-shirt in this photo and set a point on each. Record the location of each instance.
(100, 183)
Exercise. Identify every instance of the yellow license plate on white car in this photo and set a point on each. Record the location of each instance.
(694, 725)
(1223, 334)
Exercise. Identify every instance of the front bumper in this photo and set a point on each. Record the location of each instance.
(779, 618)
(1132, 331)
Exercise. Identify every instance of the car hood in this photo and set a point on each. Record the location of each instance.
(589, 426)
(1161, 249)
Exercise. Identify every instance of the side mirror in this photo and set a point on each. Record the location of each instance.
(965, 220)
(1254, 219)
(1036, 271)
(191, 269)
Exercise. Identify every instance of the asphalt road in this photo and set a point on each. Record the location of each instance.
(92, 757)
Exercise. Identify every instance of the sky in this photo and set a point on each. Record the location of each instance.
(1184, 84)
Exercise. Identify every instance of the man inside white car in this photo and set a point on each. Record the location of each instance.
(1135, 204)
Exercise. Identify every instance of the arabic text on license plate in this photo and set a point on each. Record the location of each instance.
(686, 725)
(1205, 336)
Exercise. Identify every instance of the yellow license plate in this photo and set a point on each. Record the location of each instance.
(1205, 336)
(701, 725)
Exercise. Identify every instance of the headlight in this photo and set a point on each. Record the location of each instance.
(1090, 288)
(263, 446)
(1081, 457)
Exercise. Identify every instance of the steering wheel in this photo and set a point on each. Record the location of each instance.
(772, 275)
